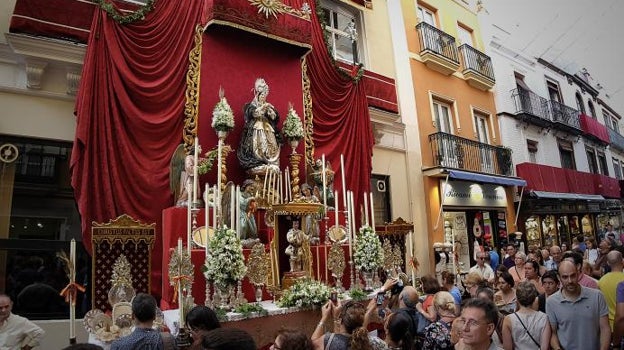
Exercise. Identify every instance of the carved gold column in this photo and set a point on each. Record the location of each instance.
(224, 152)
(294, 175)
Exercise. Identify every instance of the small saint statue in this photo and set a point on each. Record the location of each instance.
(181, 175)
(317, 177)
(248, 206)
(296, 239)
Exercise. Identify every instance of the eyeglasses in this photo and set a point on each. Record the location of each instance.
(462, 323)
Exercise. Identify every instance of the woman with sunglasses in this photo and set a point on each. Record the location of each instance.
(348, 333)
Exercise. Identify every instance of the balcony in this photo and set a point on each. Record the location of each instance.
(565, 118)
(531, 108)
(437, 49)
(593, 129)
(478, 69)
(559, 180)
(452, 151)
(617, 140)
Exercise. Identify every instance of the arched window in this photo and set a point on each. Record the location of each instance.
(591, 109)
(579, 103)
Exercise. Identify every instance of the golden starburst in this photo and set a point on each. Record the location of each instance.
(269, 7)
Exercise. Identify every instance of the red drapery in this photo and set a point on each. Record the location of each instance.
(130, 115)
(341, 119)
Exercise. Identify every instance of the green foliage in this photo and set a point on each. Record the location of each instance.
(357, 294)
(304, 293)
(249, 308)
(125, 19)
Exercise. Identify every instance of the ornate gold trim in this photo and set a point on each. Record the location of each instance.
(307, 113)
(276, 7)
(191, 106)
(297, 209)
(123, 229)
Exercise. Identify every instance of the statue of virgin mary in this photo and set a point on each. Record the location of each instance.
(261, 140)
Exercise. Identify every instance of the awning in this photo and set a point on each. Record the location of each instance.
(492, 179)
(568, 196)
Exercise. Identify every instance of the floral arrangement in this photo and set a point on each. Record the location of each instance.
(225, 263)
(293, 128)
(368, 255)
(358, 294)
(248, 308)
(304, 293)
(222, 115)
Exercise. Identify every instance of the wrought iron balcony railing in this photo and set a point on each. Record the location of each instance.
(564, 114)
(457, 152)
(434, 40)
(530, 103)
(477, 61)
(617, 140)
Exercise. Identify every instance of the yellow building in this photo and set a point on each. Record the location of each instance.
(467, 176)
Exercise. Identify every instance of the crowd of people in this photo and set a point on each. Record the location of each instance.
(555, 298)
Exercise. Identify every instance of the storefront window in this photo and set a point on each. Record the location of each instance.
(549, 230)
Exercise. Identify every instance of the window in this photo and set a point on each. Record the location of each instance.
(41, 218)
(380, 188)
(579, 103)
(342, 25)
(602, 163)
(591, 109)
(553, 91)
(611, 122)
(464, 35)
(617, 169)
(443, 117)
(591, 160)
(481, 127)
(520, 84)
(426, 15)
(532, 148)
(566, 153)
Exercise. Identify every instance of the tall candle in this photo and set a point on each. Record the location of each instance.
(195, 174)
(411, 250)
(324, 187)
(288, 189)
(232, 206)
(353, 218)
(215, 221)
(189, 226)
(336, 209)
(264, 186)
(349, 227)
(72, 306)
(179, 287)
(365, 208)
(219, 161)
(238, 214)
(206, 217)
(279, 188)
(372, 206)
(344, 186)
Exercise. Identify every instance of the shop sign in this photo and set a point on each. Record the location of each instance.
(471, 194)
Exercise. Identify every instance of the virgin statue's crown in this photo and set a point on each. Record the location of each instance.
(261, 86)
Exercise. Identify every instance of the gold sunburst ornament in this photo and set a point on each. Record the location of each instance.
(269, 7)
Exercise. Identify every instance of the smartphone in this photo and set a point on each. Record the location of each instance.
(380, 298)
(333, 297)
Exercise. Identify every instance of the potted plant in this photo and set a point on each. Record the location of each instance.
(222, 116)
(225, 263)
(293, 128)
(368, 255)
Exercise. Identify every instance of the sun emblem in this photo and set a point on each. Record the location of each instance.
(269, 7)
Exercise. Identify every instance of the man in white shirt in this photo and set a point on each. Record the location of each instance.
(16, 332)
(484, 270)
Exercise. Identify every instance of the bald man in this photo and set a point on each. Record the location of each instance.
(578, 316)
(16, 332)
(608, 283)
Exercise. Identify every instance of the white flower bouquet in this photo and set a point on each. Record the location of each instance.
(368, 255)
(305, 293)
(293, 128)
(225, 263)
(222, 115)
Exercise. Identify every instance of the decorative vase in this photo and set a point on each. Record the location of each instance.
(293, 144)
(258, 293)
(368, 280)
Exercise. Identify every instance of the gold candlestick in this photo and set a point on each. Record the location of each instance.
(294, 174)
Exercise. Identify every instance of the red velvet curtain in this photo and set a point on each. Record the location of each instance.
(130, 115)
(341, 120)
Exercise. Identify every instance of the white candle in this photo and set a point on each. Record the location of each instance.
(206, 219)
(365, 208)
(195, 174)
(372, 206)
(238, 214)
(189, 226)
(344, 186)
(279, 187)
(269, 195)
(179, 287)
(232, 206)
(411, 251)
(72, 305)
(324, 187)
(275, 186)
(215, 222)
(288, 189)
(336, 208)
(349, 228)
(353, 217)
(264, 186)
